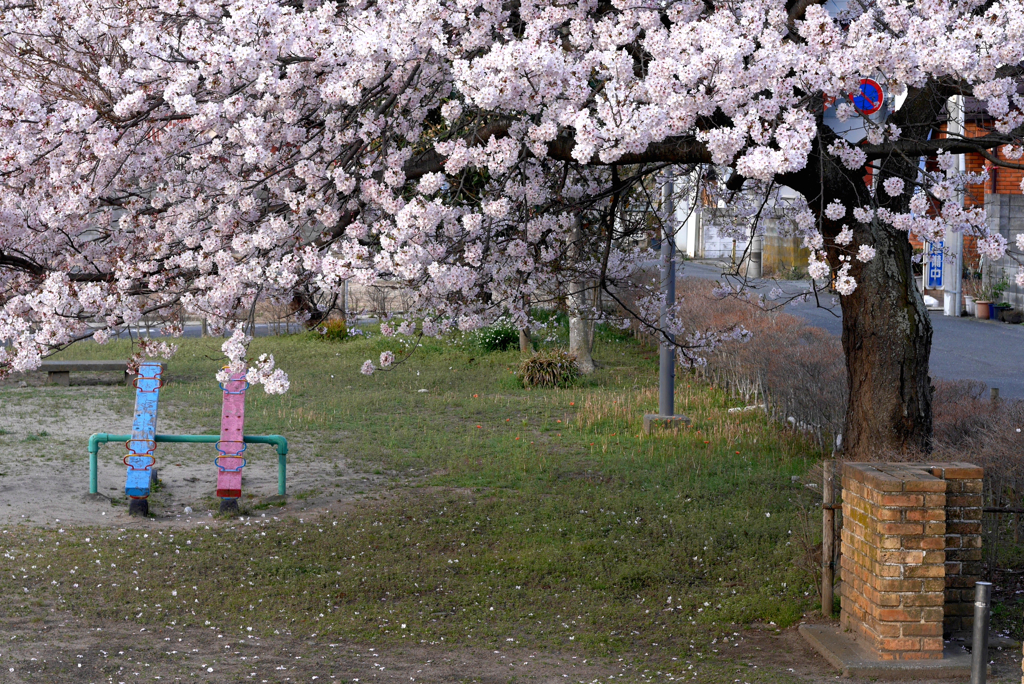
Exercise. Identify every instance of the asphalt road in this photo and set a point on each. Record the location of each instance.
(962, 348)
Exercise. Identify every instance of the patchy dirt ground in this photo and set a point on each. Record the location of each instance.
(44, 462)
(55, 648)
(44, 479)
(63, 650)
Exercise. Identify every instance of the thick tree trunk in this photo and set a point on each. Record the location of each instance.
(887, 337)
(887, 333)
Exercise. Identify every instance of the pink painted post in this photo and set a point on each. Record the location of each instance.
(231, 444)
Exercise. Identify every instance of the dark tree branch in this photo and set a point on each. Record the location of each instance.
(924, 148)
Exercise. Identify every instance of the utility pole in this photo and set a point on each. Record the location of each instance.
(954, 239)
(666, 415)
(667, 370)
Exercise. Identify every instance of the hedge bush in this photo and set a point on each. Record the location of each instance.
(334, 330)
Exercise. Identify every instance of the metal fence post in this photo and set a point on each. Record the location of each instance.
(827, 536)
(979, 644)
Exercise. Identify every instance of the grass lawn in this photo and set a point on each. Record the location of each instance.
(536, 519)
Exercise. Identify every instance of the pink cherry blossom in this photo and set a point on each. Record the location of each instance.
(203, 157)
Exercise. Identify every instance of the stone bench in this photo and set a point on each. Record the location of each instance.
(59, 372)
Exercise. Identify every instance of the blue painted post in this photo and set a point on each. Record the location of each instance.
(140, 459)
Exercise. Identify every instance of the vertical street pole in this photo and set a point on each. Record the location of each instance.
(954, 240)
(979, 642)
(344, 302)
(667, 375)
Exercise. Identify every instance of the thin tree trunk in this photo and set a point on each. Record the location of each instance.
(579, 338)
(525, 343)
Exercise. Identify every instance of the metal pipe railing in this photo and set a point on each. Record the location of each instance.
(280, 442)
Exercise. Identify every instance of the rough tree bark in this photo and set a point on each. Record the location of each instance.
(887, 332)
(525, 346)
(887, 338)
(576, 298)
(579, 327)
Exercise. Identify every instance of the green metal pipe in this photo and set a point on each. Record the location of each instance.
(277, 440)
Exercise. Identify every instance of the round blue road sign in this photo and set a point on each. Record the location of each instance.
(870, 99)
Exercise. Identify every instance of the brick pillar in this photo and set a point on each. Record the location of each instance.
(963, 541)
(911, 554)
(893, 550)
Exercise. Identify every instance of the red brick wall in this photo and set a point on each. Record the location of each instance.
(908, 549)
(963, 544)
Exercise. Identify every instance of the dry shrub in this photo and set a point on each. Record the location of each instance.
(798, 372)
(795, 371)
(549, 368)
(960, 412)
(969, 426)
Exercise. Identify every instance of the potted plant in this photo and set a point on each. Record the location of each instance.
(972, 291)
(986, 296)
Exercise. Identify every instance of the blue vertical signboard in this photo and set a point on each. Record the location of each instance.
(933, 273)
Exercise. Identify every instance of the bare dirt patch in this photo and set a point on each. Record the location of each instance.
(44, 463)
(62, 649)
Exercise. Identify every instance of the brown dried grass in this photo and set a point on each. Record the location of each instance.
(798, 374)
(795, 371)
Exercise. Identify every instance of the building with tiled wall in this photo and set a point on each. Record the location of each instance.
(1002, 198)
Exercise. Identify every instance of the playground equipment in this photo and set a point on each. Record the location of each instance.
(140, 459)
(231, 443)
(276, 440)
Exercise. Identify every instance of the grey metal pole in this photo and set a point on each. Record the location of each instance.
(979, 644)
(754, 258)
(667, 374)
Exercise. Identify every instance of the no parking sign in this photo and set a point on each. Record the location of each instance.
(871, 97)
(871, 102)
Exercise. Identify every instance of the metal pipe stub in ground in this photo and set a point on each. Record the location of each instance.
(979, 644)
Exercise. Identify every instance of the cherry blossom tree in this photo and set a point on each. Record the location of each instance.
(205, 154)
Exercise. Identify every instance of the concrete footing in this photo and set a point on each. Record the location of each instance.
(854, 657)
(674, 423)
